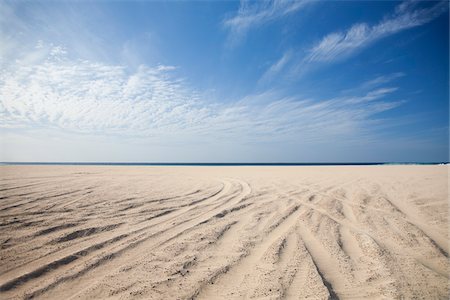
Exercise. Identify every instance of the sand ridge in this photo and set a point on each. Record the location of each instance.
(342, 232)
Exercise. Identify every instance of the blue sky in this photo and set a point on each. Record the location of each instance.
(212, 81)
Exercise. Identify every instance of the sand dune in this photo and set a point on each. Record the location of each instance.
(81, 232)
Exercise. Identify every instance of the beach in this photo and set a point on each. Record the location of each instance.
(224, 232)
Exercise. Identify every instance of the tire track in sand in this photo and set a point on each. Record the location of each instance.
(92, 272)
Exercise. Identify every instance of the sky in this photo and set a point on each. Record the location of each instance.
(224, 81)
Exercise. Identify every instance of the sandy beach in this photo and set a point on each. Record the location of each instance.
(339, 232)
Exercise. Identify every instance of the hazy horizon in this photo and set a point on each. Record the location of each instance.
(180, 81)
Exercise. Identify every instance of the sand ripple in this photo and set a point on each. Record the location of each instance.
(224, 232)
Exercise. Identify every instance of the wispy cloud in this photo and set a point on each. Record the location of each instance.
(252, 14)
(23, 24)
(382, 79)
(340, 45)
(276, 67)
(375, 82)
(85, 97)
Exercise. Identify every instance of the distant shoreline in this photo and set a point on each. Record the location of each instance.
(217, 164)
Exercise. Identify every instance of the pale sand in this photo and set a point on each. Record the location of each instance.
(224, 232)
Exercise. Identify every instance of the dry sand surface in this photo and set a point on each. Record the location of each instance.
(82, 232)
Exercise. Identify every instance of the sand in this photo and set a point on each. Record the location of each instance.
(83, 232)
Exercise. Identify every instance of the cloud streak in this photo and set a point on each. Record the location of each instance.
(340, 45)
(253, 14)
(276, 67)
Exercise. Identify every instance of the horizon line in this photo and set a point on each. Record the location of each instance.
(84, 163)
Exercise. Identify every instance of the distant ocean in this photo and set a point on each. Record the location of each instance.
(220, 164)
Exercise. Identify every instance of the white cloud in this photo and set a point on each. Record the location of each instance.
(54, 26)
(252, 14)
(151, 103)
(382, 79)
(276, 67)
(375, 82)
(339, 45)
